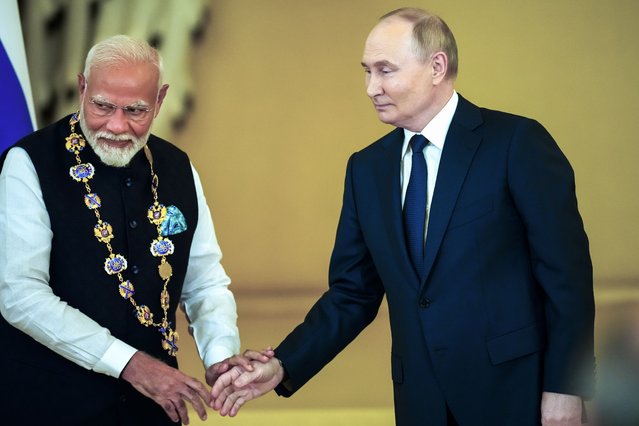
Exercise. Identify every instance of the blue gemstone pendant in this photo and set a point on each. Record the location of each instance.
(82, 172)
(114, 264)
(161, 247)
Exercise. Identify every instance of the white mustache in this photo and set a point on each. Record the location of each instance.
(114, 137)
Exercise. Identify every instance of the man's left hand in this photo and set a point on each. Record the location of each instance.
(560, 409)
(244, 361)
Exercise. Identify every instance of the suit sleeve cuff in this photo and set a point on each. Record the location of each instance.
(284, 388)
(116, 357)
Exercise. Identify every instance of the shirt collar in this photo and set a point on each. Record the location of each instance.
(437, 129)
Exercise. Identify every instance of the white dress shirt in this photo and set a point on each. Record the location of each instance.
(435, 132)
(28, 302)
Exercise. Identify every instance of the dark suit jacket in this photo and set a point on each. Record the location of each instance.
(505, 308)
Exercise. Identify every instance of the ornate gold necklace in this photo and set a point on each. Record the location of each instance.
(115, 264)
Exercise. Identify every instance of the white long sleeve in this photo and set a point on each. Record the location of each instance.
(207, 301)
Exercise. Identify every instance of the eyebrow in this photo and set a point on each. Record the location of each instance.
(134, 104)
(380, 64)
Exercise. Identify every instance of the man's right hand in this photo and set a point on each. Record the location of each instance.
(167, 386)
(237, 386)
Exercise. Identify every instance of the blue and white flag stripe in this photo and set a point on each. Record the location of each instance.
(16, 103)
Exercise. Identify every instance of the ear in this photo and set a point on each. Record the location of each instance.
(161, 95)
(82, 86)
(440, 67)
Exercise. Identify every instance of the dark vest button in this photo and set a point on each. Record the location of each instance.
(424, 303)
(135, 269)
(123, 399)
(133, 223)
(128, 182)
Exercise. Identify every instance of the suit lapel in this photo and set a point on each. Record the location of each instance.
(459, 150)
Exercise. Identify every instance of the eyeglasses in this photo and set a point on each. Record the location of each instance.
(105, 109)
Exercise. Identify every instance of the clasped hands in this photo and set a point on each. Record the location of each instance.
(242, 378)
(234, 381)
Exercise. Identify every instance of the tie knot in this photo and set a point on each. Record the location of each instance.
(418, 143)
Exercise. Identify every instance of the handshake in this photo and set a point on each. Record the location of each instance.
(233, 381)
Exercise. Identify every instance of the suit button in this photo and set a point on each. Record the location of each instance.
(128, 182)
(133, 223)
(424, 303)
(135, 269)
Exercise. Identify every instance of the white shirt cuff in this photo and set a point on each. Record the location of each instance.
(216, 354)
(115, 358)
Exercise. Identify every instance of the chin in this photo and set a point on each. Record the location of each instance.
(116, 157)
(386, 120)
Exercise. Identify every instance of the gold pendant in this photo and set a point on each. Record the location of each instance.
(75, 143)
(169, 343)
(144, 315)
(156, 213)
(164, 302)
(165, 270)
(103, 232)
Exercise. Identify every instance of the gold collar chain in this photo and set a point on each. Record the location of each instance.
(115, 264)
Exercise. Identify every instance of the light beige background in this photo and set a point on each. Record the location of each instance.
(281, 105)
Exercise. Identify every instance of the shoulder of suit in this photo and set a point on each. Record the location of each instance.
(394, 136)
(474, 115)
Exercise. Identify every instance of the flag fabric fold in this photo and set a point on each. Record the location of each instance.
(16, 103)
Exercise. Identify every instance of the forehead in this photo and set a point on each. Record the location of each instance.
(390, 40)
(124, 82)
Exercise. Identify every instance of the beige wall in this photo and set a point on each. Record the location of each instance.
(281, 105)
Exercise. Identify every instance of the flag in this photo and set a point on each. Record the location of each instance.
(17, 114)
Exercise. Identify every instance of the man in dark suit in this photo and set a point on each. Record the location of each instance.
(467, 220)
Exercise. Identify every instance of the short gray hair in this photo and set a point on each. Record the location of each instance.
(122, 49)
(430, 35)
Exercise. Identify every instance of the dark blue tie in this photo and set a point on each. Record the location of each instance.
(415, 204)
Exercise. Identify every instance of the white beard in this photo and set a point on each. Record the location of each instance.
(109, 155)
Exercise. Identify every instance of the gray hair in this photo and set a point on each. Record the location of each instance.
(120, 50)
(430, 35)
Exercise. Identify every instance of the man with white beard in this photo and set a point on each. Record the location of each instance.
(104, 231)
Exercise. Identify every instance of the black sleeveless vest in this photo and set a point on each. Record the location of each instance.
(77, 275)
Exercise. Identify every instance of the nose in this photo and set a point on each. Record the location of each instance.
(118, 122)
(373, 85)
